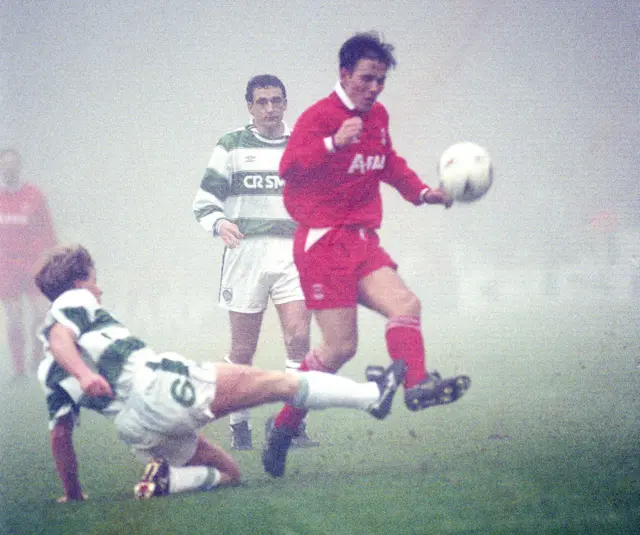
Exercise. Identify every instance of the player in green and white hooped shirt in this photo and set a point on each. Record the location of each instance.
(158, 402)
(240, 200)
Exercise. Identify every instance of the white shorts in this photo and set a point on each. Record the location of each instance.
(258, 269)
(170, 401)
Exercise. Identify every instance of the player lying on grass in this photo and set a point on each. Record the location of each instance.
(158, 402)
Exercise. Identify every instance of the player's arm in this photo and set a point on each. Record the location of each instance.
(62, 345)
(64, 457)
(399, 175)
(208, 205)
(309, 148)
(437, 196)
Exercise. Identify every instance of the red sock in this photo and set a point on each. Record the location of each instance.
(291, 417)
(405, 342)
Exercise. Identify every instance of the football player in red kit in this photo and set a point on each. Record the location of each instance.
(26, 231)
(338, 154)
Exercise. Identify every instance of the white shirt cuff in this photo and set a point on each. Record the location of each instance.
(216, 227)
(328, 143)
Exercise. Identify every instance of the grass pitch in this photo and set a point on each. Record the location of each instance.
(546, 441)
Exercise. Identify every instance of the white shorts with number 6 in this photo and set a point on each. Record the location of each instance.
(170, 401)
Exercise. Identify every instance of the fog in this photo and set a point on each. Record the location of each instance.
(116, 107)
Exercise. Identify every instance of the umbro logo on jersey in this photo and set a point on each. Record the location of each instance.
(250, 158)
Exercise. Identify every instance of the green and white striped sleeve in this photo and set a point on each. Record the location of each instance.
(208, 205)
(76, 310)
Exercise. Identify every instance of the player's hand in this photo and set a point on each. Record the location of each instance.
(437, 196)
(230, 234)
(95, 385)
(349, 132)
(67, 499)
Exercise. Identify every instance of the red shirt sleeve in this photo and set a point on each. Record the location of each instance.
(405, 180)
(306, 150)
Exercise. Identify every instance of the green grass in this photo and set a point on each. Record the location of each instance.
(546, 441)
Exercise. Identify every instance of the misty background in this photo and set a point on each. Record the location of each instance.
(116, 107)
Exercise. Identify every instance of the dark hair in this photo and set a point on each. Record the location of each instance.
(60, 268)
(263, 80)
(366, 45)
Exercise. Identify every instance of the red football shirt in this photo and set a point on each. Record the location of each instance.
(26, 228)
(325, 188)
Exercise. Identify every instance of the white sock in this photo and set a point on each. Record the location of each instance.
(240, 416)
(320, 390)
(291, 366)
(187, 478)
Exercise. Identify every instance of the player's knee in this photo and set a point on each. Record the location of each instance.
(414, 305)
(407, 304)
(341, 352)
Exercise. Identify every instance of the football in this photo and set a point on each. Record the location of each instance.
(465, 171)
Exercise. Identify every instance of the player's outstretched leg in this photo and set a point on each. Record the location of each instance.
(154, 481)
(278, 439)
(436, 391)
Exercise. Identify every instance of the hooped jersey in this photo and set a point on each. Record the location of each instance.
(104, 344)
(241, 184)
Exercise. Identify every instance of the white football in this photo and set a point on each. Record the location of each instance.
(466, 171)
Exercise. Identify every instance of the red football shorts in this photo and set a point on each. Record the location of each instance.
(331, 262)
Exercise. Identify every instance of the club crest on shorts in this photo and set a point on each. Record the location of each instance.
(317, 291)
(227, 295)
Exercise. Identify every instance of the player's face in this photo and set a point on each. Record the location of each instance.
(364, 83)
(268, 107)
(9, 170)
(91, 284)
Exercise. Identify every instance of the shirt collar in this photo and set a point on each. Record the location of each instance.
(285, 134)
(344, 97)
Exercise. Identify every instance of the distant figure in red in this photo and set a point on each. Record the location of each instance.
(26, 231)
